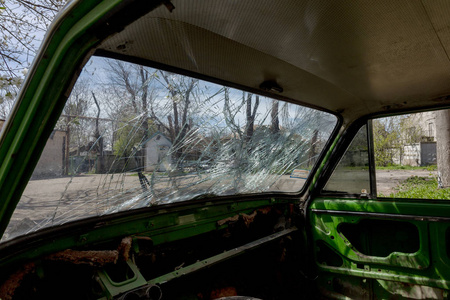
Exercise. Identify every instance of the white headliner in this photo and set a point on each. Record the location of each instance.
(351, 57)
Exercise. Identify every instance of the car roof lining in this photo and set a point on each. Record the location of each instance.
(353, 58)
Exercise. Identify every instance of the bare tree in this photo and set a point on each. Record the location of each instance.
(22, 24)
(250, 116)
(98, 137)
(131, 85)
(77, 106)
(144, 75)
(180, 90)
(275, 124)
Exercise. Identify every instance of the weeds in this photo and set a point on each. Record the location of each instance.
(399, 167)
(417, 187)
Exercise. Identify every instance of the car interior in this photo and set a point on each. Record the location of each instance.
(185, 149)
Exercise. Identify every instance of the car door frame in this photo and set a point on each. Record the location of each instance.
(423, 270)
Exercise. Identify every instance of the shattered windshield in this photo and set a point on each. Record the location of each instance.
(132, 136)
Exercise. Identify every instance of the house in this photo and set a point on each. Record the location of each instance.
(419, 140)
(51, 163)
(157, 155)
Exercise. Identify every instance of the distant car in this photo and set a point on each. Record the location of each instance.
(276, 118)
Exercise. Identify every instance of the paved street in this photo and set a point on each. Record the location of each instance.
(55, 201)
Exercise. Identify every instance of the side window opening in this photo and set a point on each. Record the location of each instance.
(412, 155)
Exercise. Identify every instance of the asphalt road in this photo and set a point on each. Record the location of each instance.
(50, 202)
(56, 201)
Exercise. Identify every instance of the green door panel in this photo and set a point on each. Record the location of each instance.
(342, 243)
(401, 241)
(421, 209)
(334, 286)
(440, 246)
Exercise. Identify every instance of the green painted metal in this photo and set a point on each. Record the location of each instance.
(324, 162)
(337, 286)
(37, 109)
(429, 266)
(113, 288)
(327, 229)
(435, 208)
(161, 225)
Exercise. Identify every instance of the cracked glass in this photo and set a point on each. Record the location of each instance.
(132, 136)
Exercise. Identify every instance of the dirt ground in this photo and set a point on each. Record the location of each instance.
(387, 180)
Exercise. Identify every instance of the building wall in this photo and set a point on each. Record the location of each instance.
(51, 162)
(417, 154)
(411, 155)
(157, 157)
(426, 123)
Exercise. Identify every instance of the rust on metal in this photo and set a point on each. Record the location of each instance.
(223, 292)
(265, 210)
(124, 248)
(229, 219)
(92, 258)
(248, 219)
(8, 288)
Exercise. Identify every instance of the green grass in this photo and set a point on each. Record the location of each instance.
(356, 168)
(394, 167)
(420, 188)
(399, 167)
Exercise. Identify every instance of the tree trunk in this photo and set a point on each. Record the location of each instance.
(184, 123)
(443, 147)
(144, 83)
(98, 139)
(250, 116)
(275, 126)
(249, 127)
(67, 162)
(312, 149)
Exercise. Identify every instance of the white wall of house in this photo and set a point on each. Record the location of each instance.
(411, 155)
(416, 154)
(157, 157)
(422, 126)
(425, 123)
